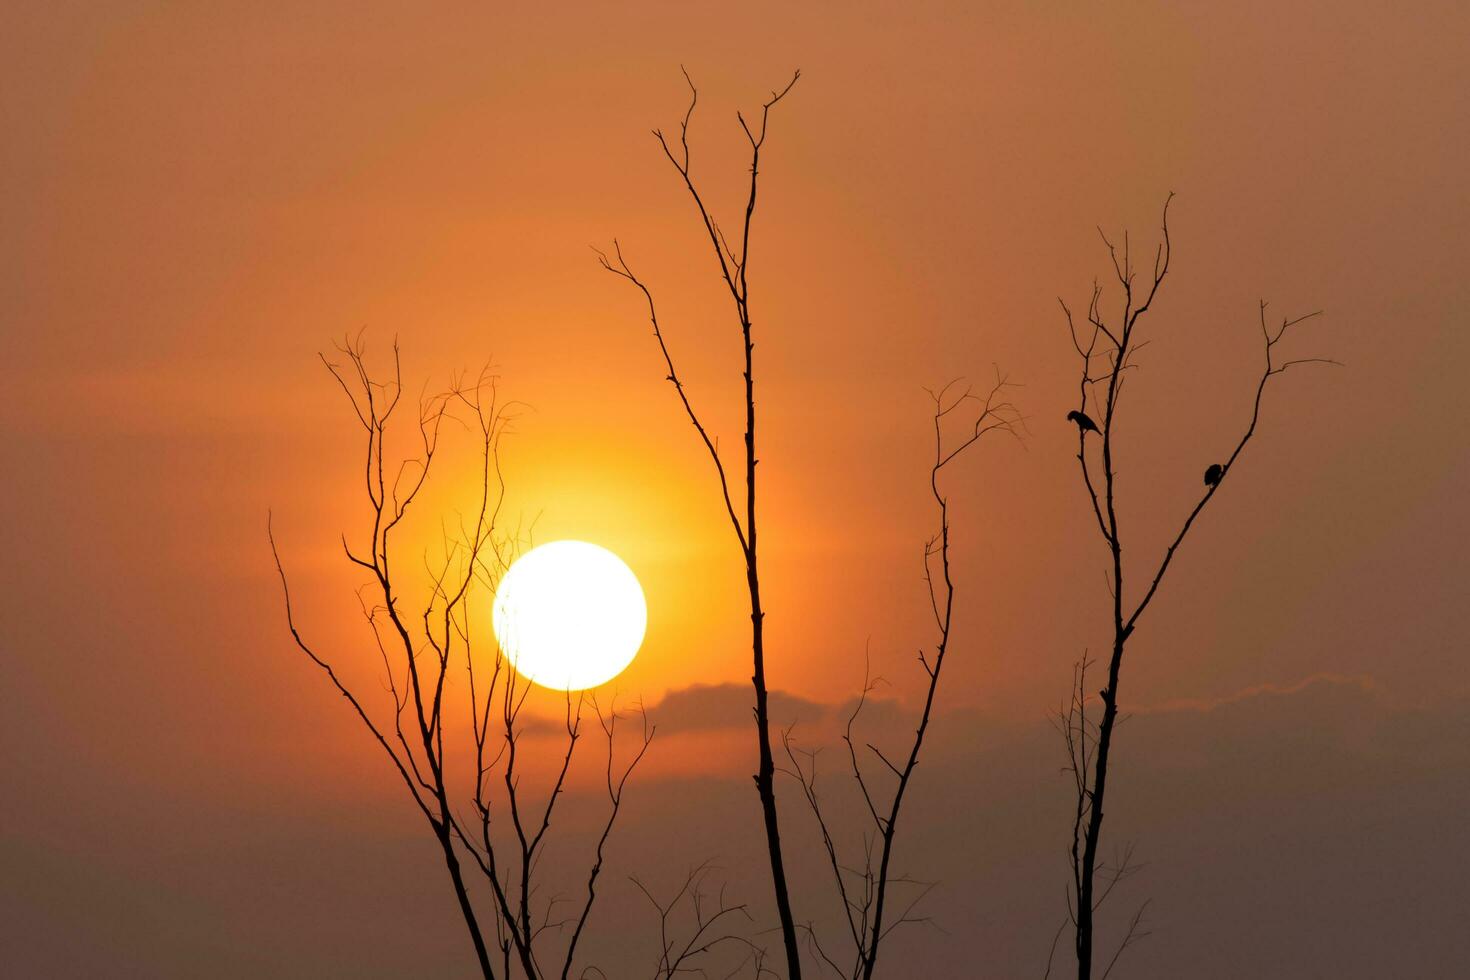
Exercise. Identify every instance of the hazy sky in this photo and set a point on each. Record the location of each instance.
(196, 198)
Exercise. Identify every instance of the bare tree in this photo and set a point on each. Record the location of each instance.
(733, 268)
(863, 889)
(683, 951)
(419, 653)
(1105, 352)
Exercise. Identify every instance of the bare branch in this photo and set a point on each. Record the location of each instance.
(1103, 359)
(733, 270)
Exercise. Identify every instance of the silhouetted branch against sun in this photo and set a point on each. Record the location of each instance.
(733, 270)
(1105, 350)
(419, 652)
(616, 781)
(621, 269)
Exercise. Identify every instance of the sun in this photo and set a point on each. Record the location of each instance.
(570, 615)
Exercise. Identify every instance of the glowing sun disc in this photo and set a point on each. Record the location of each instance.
(569, 615)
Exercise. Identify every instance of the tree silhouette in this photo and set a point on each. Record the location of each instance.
(681, 948)
(1105, 352)
(505, 834)
(733, 271)
(864, 902)
(863, 890)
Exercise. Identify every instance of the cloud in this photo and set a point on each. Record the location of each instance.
(1274, 823)
(714, 707)
(1318, 687)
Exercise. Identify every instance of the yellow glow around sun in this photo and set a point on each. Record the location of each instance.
(569, 615)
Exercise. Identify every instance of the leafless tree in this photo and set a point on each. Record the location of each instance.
(513, 933)
(1106, 351)
(734, 267)
(864, 888)
(683, 952)
(865, 903)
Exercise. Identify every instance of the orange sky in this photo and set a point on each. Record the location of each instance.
(198, 198)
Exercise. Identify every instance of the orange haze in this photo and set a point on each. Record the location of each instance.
(198, 198)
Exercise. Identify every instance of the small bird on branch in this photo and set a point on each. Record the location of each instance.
(1213, 474)
(1084, 422)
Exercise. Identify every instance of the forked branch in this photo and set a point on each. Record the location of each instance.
(418, 652)
(864, 889)
(734, 268)
(1106, 352)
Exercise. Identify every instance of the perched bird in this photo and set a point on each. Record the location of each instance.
(1213, 474)
(1084, 423)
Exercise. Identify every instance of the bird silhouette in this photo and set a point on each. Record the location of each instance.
(1084, 422)
(1213, 474)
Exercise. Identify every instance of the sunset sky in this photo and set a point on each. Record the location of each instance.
(198, 198)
